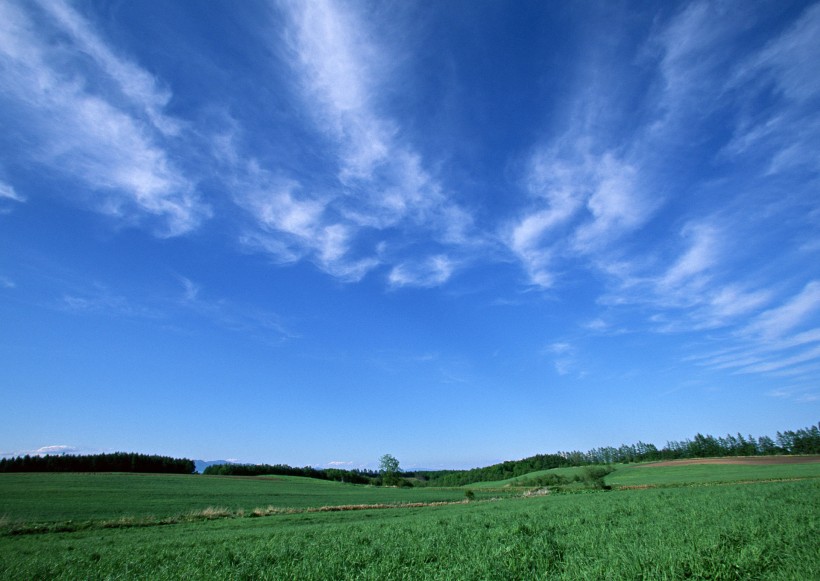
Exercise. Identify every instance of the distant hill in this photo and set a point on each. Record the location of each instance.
(201, 465)
(805, 441)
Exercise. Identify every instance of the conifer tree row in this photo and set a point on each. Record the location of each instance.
(802, 441)
(117, 462)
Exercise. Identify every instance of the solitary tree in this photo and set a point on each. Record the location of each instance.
(389, 468)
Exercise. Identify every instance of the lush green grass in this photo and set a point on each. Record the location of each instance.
(649, 475)
(83, 497)
(760, 530)
(748, 531)
(567, 473)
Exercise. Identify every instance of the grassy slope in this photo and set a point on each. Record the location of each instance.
(88, 497)
(648, 475)
(61, 497)
(517, 480)
(754, 531)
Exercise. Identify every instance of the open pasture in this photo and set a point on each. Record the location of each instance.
(761, 523)
(568, 473)
(59, 497)
(764, 530)
(714, 471)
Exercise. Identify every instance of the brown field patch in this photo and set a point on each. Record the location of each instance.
(745, 460)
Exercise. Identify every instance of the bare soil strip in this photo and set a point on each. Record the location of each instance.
(743, 460)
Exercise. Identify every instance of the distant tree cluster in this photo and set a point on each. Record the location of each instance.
(501, 471)
(389, 469)
(351, 476)
(117, 462)
(590, 477)
(802, 441)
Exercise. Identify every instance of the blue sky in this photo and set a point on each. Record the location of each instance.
(457, 232)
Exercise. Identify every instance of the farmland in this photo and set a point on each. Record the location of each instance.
(679, 527)
(687, 472)
(43, 498)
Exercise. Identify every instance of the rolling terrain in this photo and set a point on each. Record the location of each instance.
(685, 520)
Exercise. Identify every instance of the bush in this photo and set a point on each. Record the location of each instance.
(593, 476)
(549, 480)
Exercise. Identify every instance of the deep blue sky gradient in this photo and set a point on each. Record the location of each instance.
(459, 232)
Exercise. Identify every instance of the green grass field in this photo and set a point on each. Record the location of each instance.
(649, 475)
(88, 497)
(750, 530)
(518, 480)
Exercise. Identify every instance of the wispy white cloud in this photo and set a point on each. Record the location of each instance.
(83, 129)
(783, 340)
(773, 364)
(754, 351)
(175, 309)
(114, 138)
(434, 271)
(775, 323)
(10, 195)
(191, 292)
(699, 257)
(564, 357)
(694, 49)
(798, 393)
(291, 224)
(581, 202)
(141, 88)
(730, 302)
(374, 202)
(260, 323)
(687, 288)
(379, 182)
(616, 205)
(338, 64)
(558, 184)
(790, 133)
(560, 348)
(7, 192)
(99, 300)
(593, 197)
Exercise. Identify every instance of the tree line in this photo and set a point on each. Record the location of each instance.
(802, 441)
(500, 471)
(116, 462)
(336, 474)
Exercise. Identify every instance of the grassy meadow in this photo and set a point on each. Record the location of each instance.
(765, 529)
(650, 475)
(521, 480)
(91, 497)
